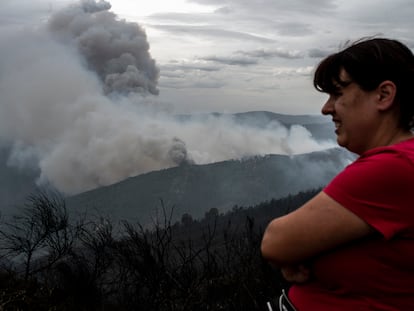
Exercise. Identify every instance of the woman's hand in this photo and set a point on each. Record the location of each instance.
(296, 273)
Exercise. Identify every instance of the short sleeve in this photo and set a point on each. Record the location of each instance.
(378, 188)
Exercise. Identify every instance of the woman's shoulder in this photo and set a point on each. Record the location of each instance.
(402, 150)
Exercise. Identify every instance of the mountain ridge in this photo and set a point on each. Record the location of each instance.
(194, 189)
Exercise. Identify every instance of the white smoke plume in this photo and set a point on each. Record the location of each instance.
(78, 95)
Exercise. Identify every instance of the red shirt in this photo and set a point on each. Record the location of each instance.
(376, 273)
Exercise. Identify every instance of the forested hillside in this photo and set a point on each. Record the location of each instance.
(52, 262)
(194, 189)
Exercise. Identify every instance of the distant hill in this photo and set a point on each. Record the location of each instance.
(195, 189)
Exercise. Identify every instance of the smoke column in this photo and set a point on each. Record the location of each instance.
(78, 95)
(116, 50)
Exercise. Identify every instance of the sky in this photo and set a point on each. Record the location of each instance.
(240, 55)
(244, 55)
(90, 89)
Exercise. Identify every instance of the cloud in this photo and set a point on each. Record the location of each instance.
(293, 71)
(295, 29)
(318, 53)
(188, 65)
(316, 7)
(270, 53)
(198, 81)
(187, 74)
(210, 32)
(232, 60)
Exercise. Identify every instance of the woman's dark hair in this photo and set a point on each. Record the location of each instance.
(368, 63)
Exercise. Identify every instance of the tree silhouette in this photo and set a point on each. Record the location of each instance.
(41, 231)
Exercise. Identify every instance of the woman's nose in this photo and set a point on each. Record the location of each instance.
(328, 107)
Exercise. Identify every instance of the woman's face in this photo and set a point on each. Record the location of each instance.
(354, 113)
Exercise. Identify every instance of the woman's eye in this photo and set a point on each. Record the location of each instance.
(336, 94)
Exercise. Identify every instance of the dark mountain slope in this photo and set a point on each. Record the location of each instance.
(195, 189)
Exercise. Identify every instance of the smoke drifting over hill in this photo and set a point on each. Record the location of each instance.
(78, 95)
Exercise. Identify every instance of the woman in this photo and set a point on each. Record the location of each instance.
(351, 247)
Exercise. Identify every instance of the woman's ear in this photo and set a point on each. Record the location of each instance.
(387, 91)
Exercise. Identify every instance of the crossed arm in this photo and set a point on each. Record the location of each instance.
(319, 225)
